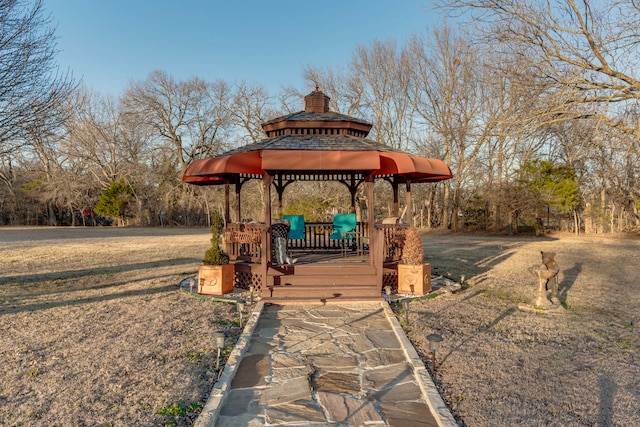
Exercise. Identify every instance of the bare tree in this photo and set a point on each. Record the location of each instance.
(30, 86)
(380, 79)
(585, 52)
(45, 165)
(345, 91)
(374, 86)
(250, 107)
(94, 137)
(190, 117)
(450, 100)
(185, 120)
(165, 106)
(211, 127)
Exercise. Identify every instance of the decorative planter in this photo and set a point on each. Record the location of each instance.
(215, 279)
(414, 279)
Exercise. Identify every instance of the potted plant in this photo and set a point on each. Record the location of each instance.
(215, 276)
(414, 276)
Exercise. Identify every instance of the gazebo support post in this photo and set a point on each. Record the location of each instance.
(369, 184)
(265, 248)
(227, 204)
(238, 188)
(408, 203)
(375, 250)
(396, 206)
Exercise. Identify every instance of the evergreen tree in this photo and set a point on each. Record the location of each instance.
(550, 185)
(114, 200)
(215, 255)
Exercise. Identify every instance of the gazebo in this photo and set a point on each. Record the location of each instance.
(316, 145)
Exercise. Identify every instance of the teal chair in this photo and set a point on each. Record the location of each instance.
(296, 226)
(343, 223)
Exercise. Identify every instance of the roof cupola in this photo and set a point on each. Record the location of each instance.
(316, 102)
(316, 119)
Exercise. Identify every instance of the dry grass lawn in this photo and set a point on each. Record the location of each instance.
(96, 332)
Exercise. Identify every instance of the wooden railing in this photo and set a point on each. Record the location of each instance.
(244, 240)
(316, 237)
(393, 240)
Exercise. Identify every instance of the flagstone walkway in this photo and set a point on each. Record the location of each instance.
(324, 365)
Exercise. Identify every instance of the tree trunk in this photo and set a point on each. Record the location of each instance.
(612, 219)
(432, 197)
(446, 206)
(603, 207)
(73, 216)
(622, 223)
(51, 215)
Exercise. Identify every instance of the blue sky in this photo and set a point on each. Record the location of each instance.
(108, 43)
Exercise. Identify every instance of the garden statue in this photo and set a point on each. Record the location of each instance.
(547, 276)
(549, 261)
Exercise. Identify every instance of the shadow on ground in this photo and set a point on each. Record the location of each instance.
(72, 274)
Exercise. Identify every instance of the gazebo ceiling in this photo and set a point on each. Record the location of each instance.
(313, 141)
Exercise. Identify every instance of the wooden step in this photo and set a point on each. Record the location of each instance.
(325, 280)
(353, 269)
(323, 292)
(317, 282)
(315, 300)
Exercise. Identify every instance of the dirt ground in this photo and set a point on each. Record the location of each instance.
(95, 330)
(501, 366)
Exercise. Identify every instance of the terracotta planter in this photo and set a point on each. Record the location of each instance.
(215, 279)
(414, 279)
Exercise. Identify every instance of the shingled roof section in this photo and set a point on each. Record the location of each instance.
(315, 142)
(329, 116)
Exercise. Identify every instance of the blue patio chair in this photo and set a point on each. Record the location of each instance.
(342, 224)
(296, 226)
